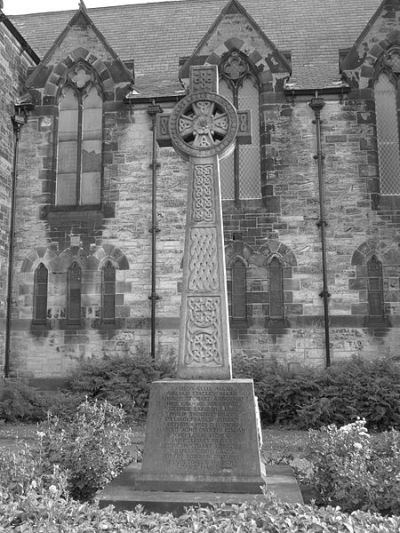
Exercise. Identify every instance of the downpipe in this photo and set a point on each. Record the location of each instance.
(153, 110)
(18, 120)
(317, 103)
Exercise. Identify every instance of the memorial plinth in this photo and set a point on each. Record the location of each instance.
(201, 436)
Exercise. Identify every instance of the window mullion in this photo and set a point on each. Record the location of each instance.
(79, 149)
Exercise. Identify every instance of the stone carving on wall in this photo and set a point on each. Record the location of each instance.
(203, 194)
(235, 67)
(203, 125)
(202, 337)
(203, 264)
(391, 59)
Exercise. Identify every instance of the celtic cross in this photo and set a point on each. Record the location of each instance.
(202, 128)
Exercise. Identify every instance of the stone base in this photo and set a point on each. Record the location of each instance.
(202, 436)
(123, 495)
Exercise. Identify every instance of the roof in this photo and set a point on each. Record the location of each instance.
(157, 35)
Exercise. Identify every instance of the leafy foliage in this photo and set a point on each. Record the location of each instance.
(19, 402)
(355, 471)
(123, 381)
(337, 395)
(92, 447)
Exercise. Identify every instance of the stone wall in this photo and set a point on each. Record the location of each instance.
(13, 69)
(288, 231)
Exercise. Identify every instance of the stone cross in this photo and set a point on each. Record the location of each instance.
(203, 128)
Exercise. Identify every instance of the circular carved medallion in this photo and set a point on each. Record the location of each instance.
(203, 125)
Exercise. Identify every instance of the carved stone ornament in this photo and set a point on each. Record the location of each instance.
(79, 76)
(391, 59)
(234, 68)
(203, 125)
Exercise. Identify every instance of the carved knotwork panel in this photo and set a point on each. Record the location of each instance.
(203, 194)
(203, 261)
(202, 332)
(203, 79)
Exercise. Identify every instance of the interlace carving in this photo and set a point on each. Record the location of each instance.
(203, 264)
(203, 80)
(203, 194)
(202, 332)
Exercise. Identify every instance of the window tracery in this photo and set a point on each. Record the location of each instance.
(80, 138)
(240, 174)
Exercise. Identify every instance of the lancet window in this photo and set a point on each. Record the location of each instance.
(41, 277)
(375, 288)
(276, 295)
(387, 121)
(80, 138)
(240, 172)
(108, 292)
(238, 290)
(74, 294)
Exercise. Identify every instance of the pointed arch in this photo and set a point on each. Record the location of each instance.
(80, 137)
(387, 126)
(74, 293)
(376, 307)
(40, 290)
(238, 289)
(108, 283)
(275, 292)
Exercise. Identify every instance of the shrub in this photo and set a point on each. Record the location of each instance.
(123, 381)
(92, 447)
(20, 402)
(354, 471)
(337, 395)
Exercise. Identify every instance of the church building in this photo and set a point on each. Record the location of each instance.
(93, 196)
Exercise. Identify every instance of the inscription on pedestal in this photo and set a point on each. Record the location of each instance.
(195, 430)
(202, 432)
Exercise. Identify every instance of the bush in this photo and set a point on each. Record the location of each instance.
(337, 395)
(123, 381)
(92, 447)
(20, 402)
(355, 471)
(53, 511)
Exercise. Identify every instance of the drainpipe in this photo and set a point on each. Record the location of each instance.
(153, 109)
(18, 120)
(316, 104)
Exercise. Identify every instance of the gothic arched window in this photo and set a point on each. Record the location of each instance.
(80, 139)
(387, 126)
(276, 299)
(108, 292)
(74, 293)
(375, 288)
(41, 277)
(238, 290)
(240, 172)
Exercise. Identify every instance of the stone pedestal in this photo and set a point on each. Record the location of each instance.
(201, 436)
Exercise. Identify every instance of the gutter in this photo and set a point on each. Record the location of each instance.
(13, 30)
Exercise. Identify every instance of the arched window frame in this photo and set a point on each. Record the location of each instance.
(80, 149)
(74, 293)
(275, 289)
(236, 71)
(40, 291)
(376, 301)
(387, 103)
(238, 290)
(108, 292)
